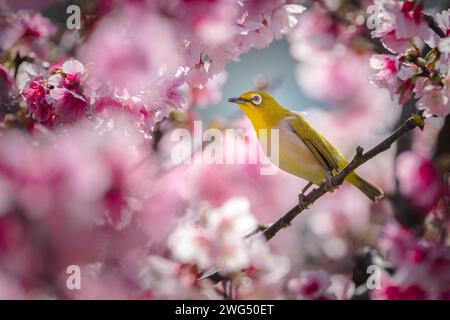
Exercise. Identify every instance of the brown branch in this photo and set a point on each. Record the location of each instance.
(307, 200)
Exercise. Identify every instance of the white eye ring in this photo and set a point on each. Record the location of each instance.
(256, 99)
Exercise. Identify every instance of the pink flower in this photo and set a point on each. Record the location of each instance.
(443, 21)
(396, 241)
(212, 22)
(73, 70)
(273, 22)
(310, 285)
(25, 32)
(393, 43)
(409, 20)
(395, 292)
(211, 93)
(35, 25)
(436, 99)
(69, 106)
(36, 94)
(316, 32)
(342, 287)
(419, 180)
(395, 77)
(59, 98)
(220, 242)
(398, 22)
(333, 78)
(165, 279)
(146, 112)
(387, 67)
(190, 244)
(257, 26)
(197, 76)
(11, 288)
(130, 60)
(169, 90)
(420, 268)
(285, 19)
(99, 282)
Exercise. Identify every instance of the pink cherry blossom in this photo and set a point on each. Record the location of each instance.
(59, 98)
(386, 77)
(69, 106)
(129, 60)
(400, 21)
(37, 94)
(419, 180)
(197, 76)
(435, 99)
(6, 83)
(25, 32)
(35, 25)
(310, 285)
(211, 93)
(107, 106)
(315, 32)
(217, 240)
(88, 178)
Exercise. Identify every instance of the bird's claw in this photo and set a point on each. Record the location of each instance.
(329, 185)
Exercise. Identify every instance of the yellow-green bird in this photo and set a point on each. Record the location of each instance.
(303, 151)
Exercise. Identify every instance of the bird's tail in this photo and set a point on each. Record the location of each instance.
(371, 191)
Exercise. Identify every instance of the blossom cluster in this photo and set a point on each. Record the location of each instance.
(127, 71)
(420, 267)
(410, 72)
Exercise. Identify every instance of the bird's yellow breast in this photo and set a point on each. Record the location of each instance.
(293, 155)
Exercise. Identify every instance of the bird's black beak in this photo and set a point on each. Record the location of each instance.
(238, 100)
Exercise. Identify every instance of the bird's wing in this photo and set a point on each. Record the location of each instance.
(300, 113)
(317, 144)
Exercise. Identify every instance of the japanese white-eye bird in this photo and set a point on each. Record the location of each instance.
(303, 151)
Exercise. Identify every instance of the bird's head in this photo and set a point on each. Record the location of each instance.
(261, 108)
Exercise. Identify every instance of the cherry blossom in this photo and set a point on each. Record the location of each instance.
(426, 188)
(419, 267)
(59, 98)
(37, 95)
(310, 284)
(25, 32)
(6, 83)
(400, 21)
(435, 99)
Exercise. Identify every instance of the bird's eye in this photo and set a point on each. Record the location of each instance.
(256, 99)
